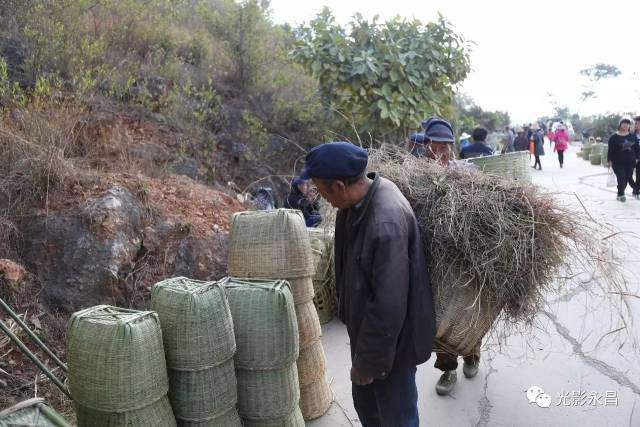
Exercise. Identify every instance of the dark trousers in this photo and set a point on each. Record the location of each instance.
(537, 163)
(624, 174)
(449, 362)
(636, 190)
(561, 156)
(392, 402)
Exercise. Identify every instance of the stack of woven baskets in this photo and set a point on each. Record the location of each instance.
(275, 245)
(199, 346)
(595, 154)
(510, 165)
(117, 370)
(266, 333)
(324, 280)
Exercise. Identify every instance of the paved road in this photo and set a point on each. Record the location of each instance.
(593, 379)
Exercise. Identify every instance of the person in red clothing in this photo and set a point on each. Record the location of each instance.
(551, 135)
(561, 139)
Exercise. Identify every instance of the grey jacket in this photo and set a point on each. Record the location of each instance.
(384, 293)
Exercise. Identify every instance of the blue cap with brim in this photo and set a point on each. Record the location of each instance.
(335, 160)
(438, 130)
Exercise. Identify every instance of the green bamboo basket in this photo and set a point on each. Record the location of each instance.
(34, 413)
(509, 165)
(271, 244)
(157, 414)
(197, 328)
(268, 395)
(264, 321)
(294, 419)
(586, 151)
(203, 394)
(595, 159)
(227, 419)
(324, 280)
(116, 359)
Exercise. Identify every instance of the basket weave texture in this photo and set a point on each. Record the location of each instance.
(116, 359)
(197, 328)
(315, 399)
(203, 394)
(511, 165)
(268, 395)
(294, 419)
(157, 414)
(312, 364)
(273, 244)
(264, 321)
(461, 325)
(227, 419)
(324, 280)
(308, 324)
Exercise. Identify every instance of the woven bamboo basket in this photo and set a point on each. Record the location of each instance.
(33, 412)
(324, 280)
(157, 414)
(116, 359)
(267, 395)
(312, 364)
(203, 394)
(510, 165)
(586, 151)
(315, 399)
(595, 159)
(270, 244)
(308, 324)
(325, 303)
(302, 289)
(292, 420)
(461, 321)
(227, 419)
(197, 329)
(264, 321)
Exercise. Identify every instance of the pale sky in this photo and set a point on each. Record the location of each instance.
(524, 49)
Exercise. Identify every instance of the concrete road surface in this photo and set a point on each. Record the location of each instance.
(576, 352)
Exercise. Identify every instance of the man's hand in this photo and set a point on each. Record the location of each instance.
(359, 379)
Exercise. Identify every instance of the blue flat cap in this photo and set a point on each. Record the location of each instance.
(438, 130)
(335, 160)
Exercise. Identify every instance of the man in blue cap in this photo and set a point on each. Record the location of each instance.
(384, 294)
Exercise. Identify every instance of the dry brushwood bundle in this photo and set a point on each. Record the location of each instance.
(493, 245)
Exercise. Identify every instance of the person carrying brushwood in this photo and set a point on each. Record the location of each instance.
(384, 293)
(300, 198)
(479, 147)
(622, 156)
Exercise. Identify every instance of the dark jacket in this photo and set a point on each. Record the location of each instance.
(623, 149)
(521, 143)
(310, 209)
(538, 140)
(384, 293)
(476, 149)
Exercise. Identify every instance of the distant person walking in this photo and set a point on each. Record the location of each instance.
(552, 137)
(561, 139)
(622, 156)
(511, 137)
(538, 146)
(521, 143)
